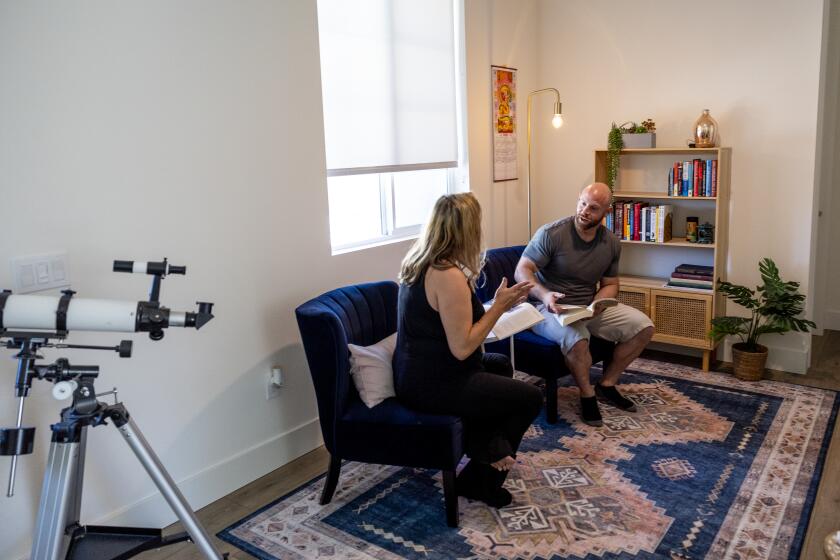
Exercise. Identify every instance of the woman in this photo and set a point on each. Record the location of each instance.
(438, 363)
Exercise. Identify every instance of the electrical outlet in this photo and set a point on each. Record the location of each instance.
(36, 273)
(277, 375)
(272, 391)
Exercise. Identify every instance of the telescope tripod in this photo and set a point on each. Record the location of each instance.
(58, 533)
(29, 323)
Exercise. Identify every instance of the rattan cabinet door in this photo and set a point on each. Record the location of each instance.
(635, 297)
(681, 317)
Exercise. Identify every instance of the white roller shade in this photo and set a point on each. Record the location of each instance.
(388, 80)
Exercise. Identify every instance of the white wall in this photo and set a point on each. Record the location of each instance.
(755, 65)
(190, 130)
(501, 33)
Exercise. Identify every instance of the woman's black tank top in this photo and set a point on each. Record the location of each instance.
(422, 358)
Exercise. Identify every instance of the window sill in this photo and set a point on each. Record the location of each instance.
(375, 243)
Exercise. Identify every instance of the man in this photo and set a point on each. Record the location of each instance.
(575, 261)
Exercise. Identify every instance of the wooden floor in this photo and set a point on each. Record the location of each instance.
(825, 517)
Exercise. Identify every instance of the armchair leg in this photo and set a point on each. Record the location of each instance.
(450, 498)
(331, 480)
(551, 400)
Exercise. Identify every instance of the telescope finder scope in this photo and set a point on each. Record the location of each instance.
(152, 268)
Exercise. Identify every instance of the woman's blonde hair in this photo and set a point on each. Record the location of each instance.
(451, 237)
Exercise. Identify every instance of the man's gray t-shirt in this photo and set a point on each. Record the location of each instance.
(570, 265)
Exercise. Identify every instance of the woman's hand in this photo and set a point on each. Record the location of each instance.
(507, 298)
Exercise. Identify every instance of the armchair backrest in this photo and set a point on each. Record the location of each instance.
(499, 263)
(362, 314)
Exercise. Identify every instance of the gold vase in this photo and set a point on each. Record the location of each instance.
(705, 131)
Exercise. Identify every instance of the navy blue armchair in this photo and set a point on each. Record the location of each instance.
(533, 354)
(388, 433)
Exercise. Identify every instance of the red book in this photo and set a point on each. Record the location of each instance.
(702, 178)
(688, 276)
(636, 211)
(696, 178)
(675, 191)
(714, 177)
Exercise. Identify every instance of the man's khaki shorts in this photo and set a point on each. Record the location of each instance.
(616, 324)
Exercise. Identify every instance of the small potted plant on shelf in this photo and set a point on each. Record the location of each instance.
(775, 307)
(639, 135)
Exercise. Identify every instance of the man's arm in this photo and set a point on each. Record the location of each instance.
(609, 288)
(526, 271)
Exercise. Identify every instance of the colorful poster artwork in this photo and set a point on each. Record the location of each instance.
(504, 123)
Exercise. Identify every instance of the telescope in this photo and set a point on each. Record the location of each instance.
(29, 323)
(66, 313)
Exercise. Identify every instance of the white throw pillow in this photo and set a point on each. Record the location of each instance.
(371, 369)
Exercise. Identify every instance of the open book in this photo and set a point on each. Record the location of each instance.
(517, 319)
(575, 313)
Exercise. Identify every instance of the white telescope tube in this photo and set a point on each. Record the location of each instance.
(39, 313)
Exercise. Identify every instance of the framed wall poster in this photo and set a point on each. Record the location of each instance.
(503, 81)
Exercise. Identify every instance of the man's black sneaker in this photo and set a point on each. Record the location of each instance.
(611, 395)
(589, 411)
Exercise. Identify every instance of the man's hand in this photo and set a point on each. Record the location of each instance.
(551, 300)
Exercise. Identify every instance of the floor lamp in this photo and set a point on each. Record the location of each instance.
(557, 122)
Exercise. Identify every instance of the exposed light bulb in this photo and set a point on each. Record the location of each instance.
(557, 120)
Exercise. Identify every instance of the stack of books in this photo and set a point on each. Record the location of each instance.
(697, 276)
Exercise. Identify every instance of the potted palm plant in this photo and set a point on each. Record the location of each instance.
(775, 307)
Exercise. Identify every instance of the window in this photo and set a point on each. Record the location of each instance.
(392, 81)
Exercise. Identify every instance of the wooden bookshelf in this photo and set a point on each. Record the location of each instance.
(673, 242)
(648, 195)
(681, 316)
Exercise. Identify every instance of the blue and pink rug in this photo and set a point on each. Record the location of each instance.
(709, 467)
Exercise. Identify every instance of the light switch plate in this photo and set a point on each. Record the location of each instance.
(36, 273)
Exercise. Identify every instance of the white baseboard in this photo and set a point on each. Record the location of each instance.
(216, 481)
(831, 320)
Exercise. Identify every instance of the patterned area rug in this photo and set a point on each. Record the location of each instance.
(709, 467)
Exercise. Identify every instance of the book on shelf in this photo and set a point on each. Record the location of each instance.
(516, 319)
(714, 177)
(688, 276)
(574, 313)
(688, 285)
(707, 184)
(692, 283)
(702, 269)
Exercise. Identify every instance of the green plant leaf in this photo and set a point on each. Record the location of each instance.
(726, 326)
(741, 295)
(614, 146)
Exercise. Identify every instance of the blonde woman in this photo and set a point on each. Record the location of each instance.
(438, 364)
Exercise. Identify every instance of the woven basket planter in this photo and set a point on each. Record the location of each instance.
(748, 366)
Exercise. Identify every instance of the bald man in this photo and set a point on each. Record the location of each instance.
(575, 261)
